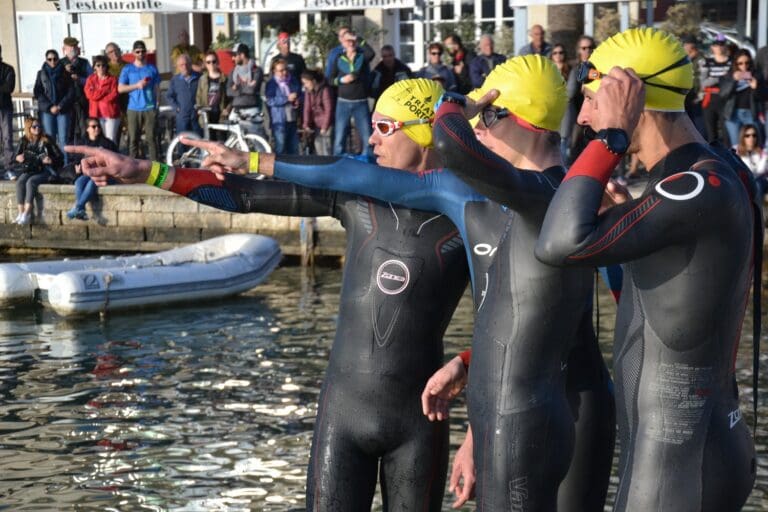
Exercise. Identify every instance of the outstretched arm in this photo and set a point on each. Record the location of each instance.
(233, 193)
(432, 190)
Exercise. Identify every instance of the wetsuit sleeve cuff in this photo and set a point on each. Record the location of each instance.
(595, 162)
(186, 180)
(466, 357)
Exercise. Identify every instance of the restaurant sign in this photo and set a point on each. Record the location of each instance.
(230, 6)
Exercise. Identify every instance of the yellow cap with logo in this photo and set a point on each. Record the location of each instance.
(657, 57)
(409, 100)
(531, 87)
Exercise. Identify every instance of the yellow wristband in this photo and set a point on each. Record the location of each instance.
(253, 162)
(154, 171)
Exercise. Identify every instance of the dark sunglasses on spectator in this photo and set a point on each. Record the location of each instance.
(750, 135)
(211, 62)
(140, 51)
(435, 53)
(52, 59)
(94, 126)
(35, 126)
(587, 72)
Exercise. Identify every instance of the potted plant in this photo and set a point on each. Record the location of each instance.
(223, 47)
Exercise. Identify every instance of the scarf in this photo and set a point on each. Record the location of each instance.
(53, 75)
(243, 72)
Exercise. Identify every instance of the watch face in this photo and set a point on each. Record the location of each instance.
(615, 139)
(620, 141)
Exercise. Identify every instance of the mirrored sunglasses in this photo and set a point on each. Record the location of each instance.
(386, 127)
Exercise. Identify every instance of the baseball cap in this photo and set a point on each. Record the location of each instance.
(283, 36)
(71, 41)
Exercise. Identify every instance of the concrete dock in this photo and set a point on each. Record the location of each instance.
(140, 218)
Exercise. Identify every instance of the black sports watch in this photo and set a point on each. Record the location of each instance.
(615, 139)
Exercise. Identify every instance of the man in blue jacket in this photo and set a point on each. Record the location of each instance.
(181, 95)
(484, 62)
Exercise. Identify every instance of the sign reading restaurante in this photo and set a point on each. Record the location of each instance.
(96, 6)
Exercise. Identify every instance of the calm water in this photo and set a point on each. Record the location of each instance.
(200, 407)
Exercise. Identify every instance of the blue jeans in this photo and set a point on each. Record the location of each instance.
(85, 191)
(739, 118)
(346, 110)
(57, 126)
(187, 124)
(286, 138)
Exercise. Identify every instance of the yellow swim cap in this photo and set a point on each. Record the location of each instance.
(530, 87)
(408, 100)
(648, 51)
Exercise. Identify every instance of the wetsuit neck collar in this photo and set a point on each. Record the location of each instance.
(679, 159)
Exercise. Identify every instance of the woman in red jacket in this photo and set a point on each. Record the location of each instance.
(318, 111)
(101, 91)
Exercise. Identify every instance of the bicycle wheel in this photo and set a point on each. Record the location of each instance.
(191, 158)
(257, 143)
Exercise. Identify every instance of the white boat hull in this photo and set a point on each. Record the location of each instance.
(214, 268)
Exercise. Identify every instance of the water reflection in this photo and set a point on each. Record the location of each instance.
(200, 407)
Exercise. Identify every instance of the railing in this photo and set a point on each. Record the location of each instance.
(24, 105)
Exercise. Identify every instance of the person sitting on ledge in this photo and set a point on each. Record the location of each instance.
(85, 188)
(39, 157)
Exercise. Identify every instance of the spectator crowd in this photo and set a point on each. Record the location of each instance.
(318, 111)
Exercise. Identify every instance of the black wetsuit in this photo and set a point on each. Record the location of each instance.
(515, 301)
(404, 273)
(687, 241)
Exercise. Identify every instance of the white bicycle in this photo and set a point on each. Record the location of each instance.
(245, 128)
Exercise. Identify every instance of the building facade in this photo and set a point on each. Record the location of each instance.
(30, 27)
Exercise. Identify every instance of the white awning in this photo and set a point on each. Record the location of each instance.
(229, 6)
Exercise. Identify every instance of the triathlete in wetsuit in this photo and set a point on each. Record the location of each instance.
(688, 244)
(525, 322)
(405, 271)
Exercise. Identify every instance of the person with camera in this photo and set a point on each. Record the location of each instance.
(39, 157)
(78, 69)
(743, 92)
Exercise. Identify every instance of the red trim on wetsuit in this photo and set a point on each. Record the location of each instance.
(448, 107)
(466, 357)
(187, 180)
(595, 162)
